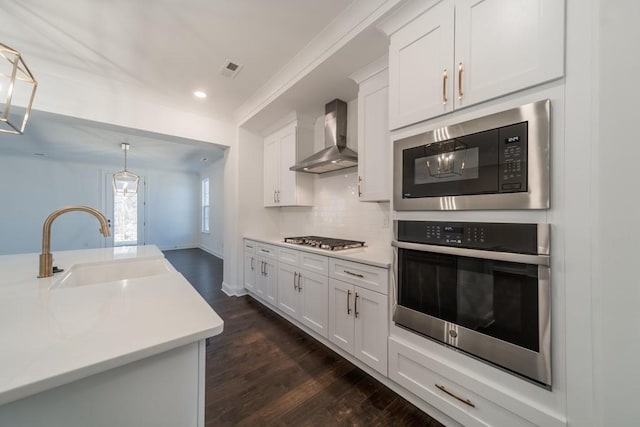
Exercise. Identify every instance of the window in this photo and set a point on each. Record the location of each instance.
(205, 205)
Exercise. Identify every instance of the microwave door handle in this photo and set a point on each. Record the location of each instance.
(475, 253)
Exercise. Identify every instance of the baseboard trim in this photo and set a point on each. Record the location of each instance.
(232, 291)
(212, 252)
(174, 248)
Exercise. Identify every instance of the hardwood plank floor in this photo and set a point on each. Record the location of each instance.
(264, 371)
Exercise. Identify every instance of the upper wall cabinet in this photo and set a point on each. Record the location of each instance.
(283, 149)
(458, 53)
(374, 141)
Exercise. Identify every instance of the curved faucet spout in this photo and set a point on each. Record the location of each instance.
(46, 259)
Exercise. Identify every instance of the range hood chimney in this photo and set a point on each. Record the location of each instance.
(335, 155)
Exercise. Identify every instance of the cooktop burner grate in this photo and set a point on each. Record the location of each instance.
(327, 243)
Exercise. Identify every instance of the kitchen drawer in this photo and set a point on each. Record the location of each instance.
(314, 262)
(414, 371)
(249, 246)
(267, 251)
(288, 256)
(367, 276)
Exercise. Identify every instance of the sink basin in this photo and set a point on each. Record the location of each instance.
(111, 271)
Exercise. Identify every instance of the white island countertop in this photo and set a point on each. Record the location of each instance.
(51, 336)
(378, 256)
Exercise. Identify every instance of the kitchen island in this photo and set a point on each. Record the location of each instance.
(118, 338)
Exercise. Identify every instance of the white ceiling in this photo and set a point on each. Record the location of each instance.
(167, 48)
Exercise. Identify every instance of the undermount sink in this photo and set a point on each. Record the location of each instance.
(111, 271)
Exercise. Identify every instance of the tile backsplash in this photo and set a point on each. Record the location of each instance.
(337, 212)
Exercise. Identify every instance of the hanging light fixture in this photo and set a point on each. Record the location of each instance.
(17, 87)
(125, 182)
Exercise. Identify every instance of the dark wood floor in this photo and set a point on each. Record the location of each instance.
(263, 371)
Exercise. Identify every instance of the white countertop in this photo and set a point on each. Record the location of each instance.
(50, 337)
(376, 256)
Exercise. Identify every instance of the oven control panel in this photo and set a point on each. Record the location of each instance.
(502, 237)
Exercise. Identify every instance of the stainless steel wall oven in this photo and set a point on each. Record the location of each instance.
(483, 288)
(500, 161)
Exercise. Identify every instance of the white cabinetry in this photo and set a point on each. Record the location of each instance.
(374, 142)
(303, 288)
(250, 265)
(467, 400)
(283, 149)
(260, 270)
(358, 316)
(458, 53)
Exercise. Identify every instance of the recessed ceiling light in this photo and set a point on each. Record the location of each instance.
(200, 94)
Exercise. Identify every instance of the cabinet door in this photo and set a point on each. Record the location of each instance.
(506, 45)
(270, 284)
(271, 159)
(420, 67)
(314, 293)
(374, 142)
(371, 328)
(250, 268)
(341, 298)
(287, 179)
(260, 271)
(288, 295)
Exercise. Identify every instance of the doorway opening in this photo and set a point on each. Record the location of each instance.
(126, 214)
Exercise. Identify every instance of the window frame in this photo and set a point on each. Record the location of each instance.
(205, 206)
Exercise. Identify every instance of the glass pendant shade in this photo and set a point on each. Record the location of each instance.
(125, 182)
(17, 90)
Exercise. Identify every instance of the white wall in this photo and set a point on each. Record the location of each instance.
(173, 202)
(33, 187)
(616, 215)
(213, 242)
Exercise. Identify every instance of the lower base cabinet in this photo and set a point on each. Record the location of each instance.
(473, 404)
(302, 295)
(358, 323)
(260, 272)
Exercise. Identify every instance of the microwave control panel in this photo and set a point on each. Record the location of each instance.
(501, 237)
(513, 158)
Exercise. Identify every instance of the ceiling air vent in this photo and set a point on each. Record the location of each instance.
(230, 69)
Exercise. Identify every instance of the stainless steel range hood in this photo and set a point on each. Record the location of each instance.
(335, 155)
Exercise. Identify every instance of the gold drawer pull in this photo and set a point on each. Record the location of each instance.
(354, 274)
(460, 81)
(465, 401)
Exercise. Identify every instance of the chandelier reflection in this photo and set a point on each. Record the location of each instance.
(445, 159)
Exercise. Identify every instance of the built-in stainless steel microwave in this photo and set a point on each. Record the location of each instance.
(500, 161)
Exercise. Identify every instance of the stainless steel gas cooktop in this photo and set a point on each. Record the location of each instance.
(327, 243)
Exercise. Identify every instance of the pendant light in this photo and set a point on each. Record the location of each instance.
(17, 86)
(125, 182)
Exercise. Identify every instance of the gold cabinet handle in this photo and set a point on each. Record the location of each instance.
(295, 285)
(465, 401)
(355, 306)
(444, 86)
(359, 186)
(354, 274)
(460, 68)
(348, 304)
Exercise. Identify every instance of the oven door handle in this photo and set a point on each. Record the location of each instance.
(475, 253)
